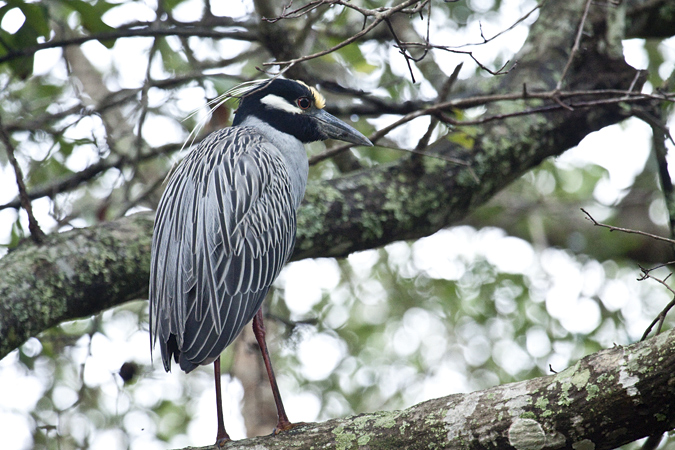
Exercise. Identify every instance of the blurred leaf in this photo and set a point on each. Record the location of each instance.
(36, 17)
(169, 5)
(66, 147)
(654, 59)
(46, 170)
(461, 137)
(21, 67)
(353, 56)
(16, 235)
(173, 61)
(35, 26)
(91, 17)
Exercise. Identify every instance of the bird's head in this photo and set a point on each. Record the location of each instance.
(294, 108)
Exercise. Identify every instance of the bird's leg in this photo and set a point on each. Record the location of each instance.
(222, 436)
(259, 332)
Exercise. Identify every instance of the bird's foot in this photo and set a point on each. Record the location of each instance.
(220, 442)
(285, 426)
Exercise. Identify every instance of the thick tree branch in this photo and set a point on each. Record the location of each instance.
(74, 274)
(630, 388)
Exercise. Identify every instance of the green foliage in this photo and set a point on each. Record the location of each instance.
(90, 16)
(16, 234)
(34, 27)
(173, 61)
(351, 56)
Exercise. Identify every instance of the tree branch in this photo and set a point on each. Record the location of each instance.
(73, 274)
(36, 232)
(139, 30)
(630, 388)
(380, 16)
(626, 230)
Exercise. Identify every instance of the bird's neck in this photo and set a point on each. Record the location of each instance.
(291, 150)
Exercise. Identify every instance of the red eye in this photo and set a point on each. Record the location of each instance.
(304, 103)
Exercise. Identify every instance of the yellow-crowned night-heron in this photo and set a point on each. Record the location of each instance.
(226, 225)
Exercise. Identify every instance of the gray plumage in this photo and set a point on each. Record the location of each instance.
(225, 225)
(225, 228)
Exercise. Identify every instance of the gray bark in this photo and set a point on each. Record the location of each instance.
(605, 400)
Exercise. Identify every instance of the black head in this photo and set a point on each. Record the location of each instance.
(294, 108)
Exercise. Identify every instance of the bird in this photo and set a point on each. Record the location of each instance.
(226, 224)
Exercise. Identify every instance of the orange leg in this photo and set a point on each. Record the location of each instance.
(259, 331)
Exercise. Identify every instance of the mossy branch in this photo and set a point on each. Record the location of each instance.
(605, 400)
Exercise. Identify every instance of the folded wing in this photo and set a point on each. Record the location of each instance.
(224, 228)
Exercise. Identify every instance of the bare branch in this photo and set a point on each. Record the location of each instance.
(619, 96)
(627, 230)
(380, 14)
(299, 12)
(661, 317)
(428, 46)
(36, 232)
(515, 24)
(149, 29)
(403, 50)
(575, 48)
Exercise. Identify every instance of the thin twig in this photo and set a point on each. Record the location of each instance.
(638, 73)
(144, 96)
(442, 95)
(428, 46)
(627, 230)
(646, 273)
(403, 50)
(515, 24)
(380, 14)
(660, 133)
(424, 141)
(299, 12)
(35, 231)
(661, 317)
(577, 41)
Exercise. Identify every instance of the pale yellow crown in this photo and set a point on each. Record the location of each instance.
(319, 101)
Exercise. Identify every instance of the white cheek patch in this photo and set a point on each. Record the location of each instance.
(276, 102)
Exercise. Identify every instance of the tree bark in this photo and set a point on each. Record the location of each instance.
(605, 400)
(74, 274)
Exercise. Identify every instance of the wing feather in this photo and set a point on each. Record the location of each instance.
(224, 228)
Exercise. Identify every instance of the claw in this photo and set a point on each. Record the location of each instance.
(280, 428)
(220, 443)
